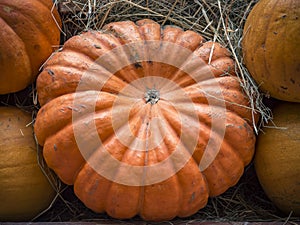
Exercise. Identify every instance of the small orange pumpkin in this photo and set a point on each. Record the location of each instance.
(271, 47)
(144, 120)
(277, 158)
(28, 36)
(24, 189)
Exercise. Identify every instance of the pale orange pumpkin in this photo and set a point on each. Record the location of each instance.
(29, 34)
(24, 189)
(277, 158)
(271, 47)
(144, 120)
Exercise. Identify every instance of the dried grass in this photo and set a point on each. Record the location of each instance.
(217, 20)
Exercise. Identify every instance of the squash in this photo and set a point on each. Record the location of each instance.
(24, 189)
(271, 47)
(29, 33)
(277, 158)
(144, 120)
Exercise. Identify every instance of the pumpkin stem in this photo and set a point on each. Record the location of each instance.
(152, 96)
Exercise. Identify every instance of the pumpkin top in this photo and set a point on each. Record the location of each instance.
(147, 113)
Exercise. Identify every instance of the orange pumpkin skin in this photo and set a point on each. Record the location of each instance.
(28, 36)
(24, 189)
(271, 47)
(140, 171)
(277, 158)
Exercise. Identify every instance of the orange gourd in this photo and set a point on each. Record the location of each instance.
(144, 120)
(24, 189)
(271, 47)
(277, 158)
(29, 34)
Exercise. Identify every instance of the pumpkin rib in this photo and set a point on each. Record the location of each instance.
(52, 85)
(265, 40)
(172, 125)
(17, 60)
(152, 196)
(92, 45)
(62, 82)
(181, 212)
(225, 83)
(170, 129)
(65, 169)
(191, 197)
(241, 129)
(9, 167)
(283, 48)
(234, 144)
(217, 69)
(61, 141)
(72, 116)
(100, 187)
(54, 13)
(51, 7)
(190, 40)
(207, 125)
(125, 31)
(170, 33)
(60, 111)
(225, 171)
(69, 128)
(149, 30)
(238, 106)
(219, 54)
(31, 24)
(223, 66)
(110, 46)
(71, 59)
(30, 15)
(124, 160)
(254, 50)
(218, 51)
(122, 201)
(192, 72)
(36, 32)
(198, 96)
(88, 118)
(117, 154)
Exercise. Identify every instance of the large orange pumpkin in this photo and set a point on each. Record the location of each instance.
(271, 47)
(277, 158)
(29, 34)
(144, 119)
(24, 189)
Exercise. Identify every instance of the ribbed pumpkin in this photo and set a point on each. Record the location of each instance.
(28, 36)
(24, 189)
(277, 158)
(271, 47)
(144, 120)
